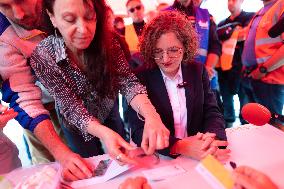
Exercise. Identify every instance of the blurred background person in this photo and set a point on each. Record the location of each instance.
(150, 15)
(230, 67)
(162, 6)
(135, 10)
(118, 24)
(263, 58)
(197, 3)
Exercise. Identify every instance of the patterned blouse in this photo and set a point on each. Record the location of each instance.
(77, 100)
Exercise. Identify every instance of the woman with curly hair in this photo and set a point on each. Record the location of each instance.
(179, 88)
(83, 67)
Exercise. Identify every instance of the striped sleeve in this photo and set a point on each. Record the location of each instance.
(18, 88)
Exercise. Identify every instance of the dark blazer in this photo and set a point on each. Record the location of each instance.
(203, 114)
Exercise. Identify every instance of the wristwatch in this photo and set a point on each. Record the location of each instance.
(262, 69)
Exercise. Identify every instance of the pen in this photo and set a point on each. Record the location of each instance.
(233, 164)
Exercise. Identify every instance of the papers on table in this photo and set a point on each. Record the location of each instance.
(113, 170)
(215, 173)
(164, 172)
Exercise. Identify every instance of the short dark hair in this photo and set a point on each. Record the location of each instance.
(117, 20)
(128, 1)
(165, 22)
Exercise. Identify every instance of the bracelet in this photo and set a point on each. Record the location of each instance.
(138, 110)
(138, 114)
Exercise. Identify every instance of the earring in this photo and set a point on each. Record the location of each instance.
(55, 33)
(57, 40)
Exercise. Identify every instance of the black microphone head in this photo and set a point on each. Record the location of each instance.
(277, 29)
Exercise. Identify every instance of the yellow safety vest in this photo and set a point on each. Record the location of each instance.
(131, 38)
(265, 46)
(228, 50)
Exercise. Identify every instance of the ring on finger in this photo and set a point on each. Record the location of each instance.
(118, 157)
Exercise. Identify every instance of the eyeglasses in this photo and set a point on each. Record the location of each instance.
(172, 52)
(138, 7)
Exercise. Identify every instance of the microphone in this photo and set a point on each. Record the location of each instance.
(182, 85)
(277, 29)
(259, 115)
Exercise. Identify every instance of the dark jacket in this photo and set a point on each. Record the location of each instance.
(203, 114)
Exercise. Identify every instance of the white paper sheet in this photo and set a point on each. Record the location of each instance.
(164, 172)
(113, 170)
(260, 147)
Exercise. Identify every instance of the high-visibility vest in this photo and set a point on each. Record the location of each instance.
(228, 51)
(131, 38)
(266, 46)
(202, 25)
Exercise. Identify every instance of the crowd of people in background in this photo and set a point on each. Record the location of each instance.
(62, 71)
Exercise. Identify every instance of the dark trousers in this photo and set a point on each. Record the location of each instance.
(228, 88)
(269, 95)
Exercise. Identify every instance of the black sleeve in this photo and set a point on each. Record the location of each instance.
(213, 119)
(214, 43)
(247, 19)
(137, 126)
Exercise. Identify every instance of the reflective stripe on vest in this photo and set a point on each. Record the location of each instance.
(202, 52)
(202, 25)
(262, 60)
(228, 51)
(131, 38)
(265, 41)
(265, 46)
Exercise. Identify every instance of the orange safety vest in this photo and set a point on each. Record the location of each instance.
(228, 51)
(131, 38)
(266, 46)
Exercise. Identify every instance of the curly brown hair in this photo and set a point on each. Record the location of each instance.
(165, 22)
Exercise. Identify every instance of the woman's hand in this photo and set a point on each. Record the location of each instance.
(6, 115)
(194, 147)
(249, 178)
(155, 134)
(116, 146)
(220, 154)
(135, 183)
